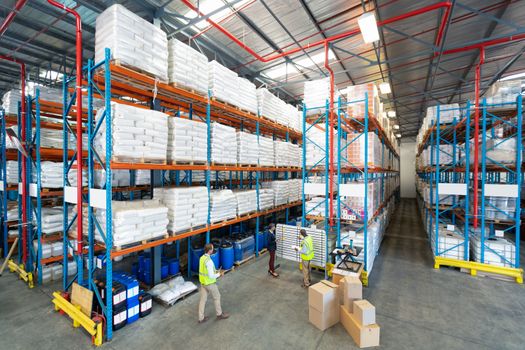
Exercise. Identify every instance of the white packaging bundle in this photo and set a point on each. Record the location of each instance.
(137, 134)
(223, 144)
(223, 205)
(266, 151)
(296, 155)
(295, 190)
(374, 238)
(10, 101)
(132, 40)
(505, 91)
(246, 201)
(142, 177)
(315, 146)
(280, 189)
(222, 82)
(498, 251)
(246, 96)
(11, 176)
(295, 118)
(135, 221)
(187, 67)
(48, 94)
(357, 108)
(282, 154)
(316, 94)
(247, 148)
(187, 206)
(316, 206)
(51, 175)
(271, 106)
(266, 198)
(187, 140)
(450, 242)
(447, 114)
(72, 176)
(118, 178)
(52, 220)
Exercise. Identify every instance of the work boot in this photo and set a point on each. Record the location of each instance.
(223, 316)
(206, 318)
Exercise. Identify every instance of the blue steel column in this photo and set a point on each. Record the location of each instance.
(65, 167)
(467, 180)
(257, 191)
(3, 177)
(303, 170)
(328, 197)
(28, 160)
(91, 173)
(483, 177)
(38, 186)
(436, 179)
(519, 147)
(20, 159)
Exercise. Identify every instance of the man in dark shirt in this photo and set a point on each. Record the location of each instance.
(272, 247)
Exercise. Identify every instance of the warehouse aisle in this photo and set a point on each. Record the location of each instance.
(417, 308)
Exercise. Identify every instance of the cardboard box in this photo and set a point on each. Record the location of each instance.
(323, 302)
(352, 290)
(364, 336)
(364, 312)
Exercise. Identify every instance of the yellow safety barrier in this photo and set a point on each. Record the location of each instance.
(474, 267)
(79, 319)
(22, 273)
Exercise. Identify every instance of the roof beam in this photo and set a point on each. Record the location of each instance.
(50, 11)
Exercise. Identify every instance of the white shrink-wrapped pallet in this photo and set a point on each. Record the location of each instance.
(222, 82)
(280, 189)
(142, 177)
(498, 251)
(72, 176)
(11, 175)
(315, 146)
(135, 221)
(223, 144)
(295, 118)
(133, 41)
(316, 94)
(10, 101)
(223, 205)
(246, 95)
(266, 151)
(48, 94)
(187, 206)
(269, 105)
(52, 220)
(51, 175)
(119, 178)
(187, 67)
(246, 201)
(187, 140)
(247, 148)
(294, 190)
(266, 198)
(137, 134)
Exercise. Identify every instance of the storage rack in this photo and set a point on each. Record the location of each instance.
(108, 80)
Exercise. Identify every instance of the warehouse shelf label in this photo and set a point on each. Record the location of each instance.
(459, 189)
(501, 190)
(20, 188)
(315, 188)
(33, 192)
(97, 198)
(70, 194)
(354, 190)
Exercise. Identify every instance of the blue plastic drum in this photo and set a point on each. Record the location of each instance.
(227, 256)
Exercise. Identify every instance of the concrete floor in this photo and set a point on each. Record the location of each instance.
(417, 308)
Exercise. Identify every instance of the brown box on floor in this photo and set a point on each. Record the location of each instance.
(352, 289)
(364, 336)
(323, 304)
(364, 312)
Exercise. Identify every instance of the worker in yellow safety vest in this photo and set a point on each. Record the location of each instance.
(307, 254)
(208, 279)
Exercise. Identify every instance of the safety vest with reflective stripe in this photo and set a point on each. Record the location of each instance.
(309, 255)
(204, 279)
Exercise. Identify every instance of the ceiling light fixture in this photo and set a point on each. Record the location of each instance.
(368, 26)
(385, 88)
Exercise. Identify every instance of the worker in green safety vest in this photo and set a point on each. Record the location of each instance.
(208, 279)
(306, 250)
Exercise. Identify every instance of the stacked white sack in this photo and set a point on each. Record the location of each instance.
(295, 190)
(266, 198)
(72, 176)
(187, 206)
(132, 40)
(187, 140)
(223, 144)
(223, 205)
(52, 220)
(11, 175)
(135, 221)
(187, 67)
(246, 95)
(294, 118)
(271, 106)
(246, 201)
(222, 82)
(118, 178)
(10, 101)
(316, 93)
(142, 177)
(51, 175)
(280, 189)
(247, 148)
(266, 151)
(137, 134)
(48, 94)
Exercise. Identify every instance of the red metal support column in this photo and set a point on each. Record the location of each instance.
(78, 89)
(331, 171)
(7, 21)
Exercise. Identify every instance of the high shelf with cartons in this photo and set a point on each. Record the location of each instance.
(476, 231)
(108, 81)
(350, 179)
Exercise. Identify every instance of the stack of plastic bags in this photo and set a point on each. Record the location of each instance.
(132, 40)
(266, 198)
(187, 140)
(187, 67)
(223, 83)
(142, 177)
(173, 290)
(247, 148)
(52, 220)
(316, 94)
(118, 178)
(246, 201)
(271, 106)
(11, 175)
(72, 176)
(223, 144)
(246, 96)
(10, 101)
(187, 206)
(280, 189)
(51, 175)
(295, 190)
(266, 151)
(223, 205)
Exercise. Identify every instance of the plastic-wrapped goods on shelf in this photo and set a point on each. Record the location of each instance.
(295, 118)
(295, 190)
(270, 106)
(374, 237)
(266, 151)
(187, 140)
(446, 155)
(447, 114)
(316, 206)
(119, 178)
(315, 146)
(223, 205)
(10, 101)
(11, 175)
(187, 67)
(282, 154)
(497, 151)
(133, 41)
(198, 176)
(247, 148)
(223, 144)
(496, 208)
(52, 220)
(222, 83)
(354, 208)
(142, 177)
(281, 191)
(505, 91)
(356, 150)
(187, 206)
(498, 251)
(246, 95)
(137, 134)
(49, 94)
(135, 221)
(316, 95)
(51, 175)
(450, 243)
(443, 199)
(266, 198)
(246, 201)
(357, 93)
(72, 176)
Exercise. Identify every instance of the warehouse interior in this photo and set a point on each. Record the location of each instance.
(317, 174)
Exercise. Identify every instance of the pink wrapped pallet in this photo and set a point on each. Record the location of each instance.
(357, 92)
(356, 150)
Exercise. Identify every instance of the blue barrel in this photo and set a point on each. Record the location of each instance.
(174, 266)
(237, 251)
(135, 269)
(147, 277)
(216, 258)
(227, 256)
(261, 244)
(141, 262)
(147, 264)
(164, 270)
(196, 254)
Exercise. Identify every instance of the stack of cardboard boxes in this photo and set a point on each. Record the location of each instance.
(331, 303)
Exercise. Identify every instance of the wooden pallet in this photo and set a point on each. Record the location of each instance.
(138, 160)
(178, 162)
(119, 63)
(191, 229)
(242, 262)
(185, 88)
(182, 297)
(215, 99)
(223, 164)
(143, 242)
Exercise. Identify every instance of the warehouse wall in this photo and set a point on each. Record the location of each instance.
(408, 173)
